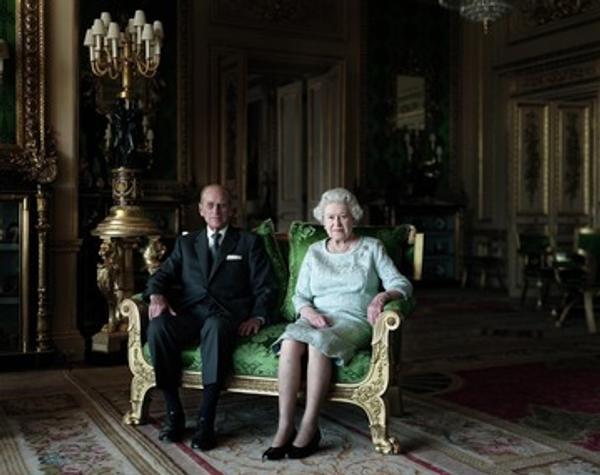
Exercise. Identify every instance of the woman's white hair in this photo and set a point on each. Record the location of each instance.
(338, 195)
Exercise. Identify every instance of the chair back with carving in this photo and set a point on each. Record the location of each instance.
(536, 249)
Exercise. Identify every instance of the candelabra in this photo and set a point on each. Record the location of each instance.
(122, 53)
(117, 53)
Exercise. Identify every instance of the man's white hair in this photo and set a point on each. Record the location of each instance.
(338, 195)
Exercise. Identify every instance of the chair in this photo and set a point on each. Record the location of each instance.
(486, 257)
(578, 275)
(536, 250)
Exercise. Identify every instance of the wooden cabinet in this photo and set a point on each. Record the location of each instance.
(442, 226)
(15, 252)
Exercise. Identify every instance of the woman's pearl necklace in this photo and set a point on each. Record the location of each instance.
(340, 248)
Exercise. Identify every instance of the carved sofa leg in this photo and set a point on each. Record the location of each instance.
(143, 378)
(369, 395)
(376, 411)
(140, 401)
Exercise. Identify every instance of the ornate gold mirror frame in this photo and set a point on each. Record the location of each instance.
(32, 156)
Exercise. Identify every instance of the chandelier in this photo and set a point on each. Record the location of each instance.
(485, 11)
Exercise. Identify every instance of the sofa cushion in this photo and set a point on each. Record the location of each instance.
(266, 231)
(302, 235)
(253, 356)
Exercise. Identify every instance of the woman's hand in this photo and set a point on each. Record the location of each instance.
(376, 307)
(158, 305)
(316, 319)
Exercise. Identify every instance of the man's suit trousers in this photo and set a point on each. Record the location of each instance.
(169, 334)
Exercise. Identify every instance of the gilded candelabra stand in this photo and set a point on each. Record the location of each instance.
(126, 229)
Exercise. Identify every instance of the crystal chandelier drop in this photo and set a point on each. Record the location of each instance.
(485, 11)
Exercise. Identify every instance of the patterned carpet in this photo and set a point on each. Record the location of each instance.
(69, 422)
(490, 388)
(559, 399)
(48, 425)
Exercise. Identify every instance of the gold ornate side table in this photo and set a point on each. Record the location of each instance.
(124, 231)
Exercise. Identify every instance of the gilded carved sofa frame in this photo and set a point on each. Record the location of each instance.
(378, 394)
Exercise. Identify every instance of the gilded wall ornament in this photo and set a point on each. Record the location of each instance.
(573, 155)
(543, 12)
(273, 11)
(556, 77)
(35, 154)
(533, 158)
(308, 18)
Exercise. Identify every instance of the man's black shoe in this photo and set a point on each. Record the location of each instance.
(173, 429)
(204, 437)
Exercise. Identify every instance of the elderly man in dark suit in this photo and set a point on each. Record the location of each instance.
(227, 289)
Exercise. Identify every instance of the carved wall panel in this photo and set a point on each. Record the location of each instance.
(531, 161)
(325, 18)
(573, 159)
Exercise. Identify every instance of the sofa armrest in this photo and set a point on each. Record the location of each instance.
(404, 307)
(388, 321)
(135, 310)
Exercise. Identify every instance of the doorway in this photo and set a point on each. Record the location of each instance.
(281, 129)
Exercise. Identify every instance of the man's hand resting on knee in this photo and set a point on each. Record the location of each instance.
(159, 304)
(250, 326)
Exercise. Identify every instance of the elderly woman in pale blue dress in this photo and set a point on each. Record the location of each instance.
(338, 299)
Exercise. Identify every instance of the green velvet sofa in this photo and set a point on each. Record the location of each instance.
(370, 381)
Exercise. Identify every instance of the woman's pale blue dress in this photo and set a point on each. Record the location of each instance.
(341, 287)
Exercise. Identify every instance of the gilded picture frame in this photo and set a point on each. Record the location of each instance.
(28, 150)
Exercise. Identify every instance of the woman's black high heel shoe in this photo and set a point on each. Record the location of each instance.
(309, 449)
(277, 453)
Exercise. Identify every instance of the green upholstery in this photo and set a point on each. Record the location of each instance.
(588, 240)
(253, 356)
(534, 243)
(580, 270)
(302, 235)
(266, 230)
(578, 275)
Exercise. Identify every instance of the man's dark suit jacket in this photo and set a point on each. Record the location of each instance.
(241, 283)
